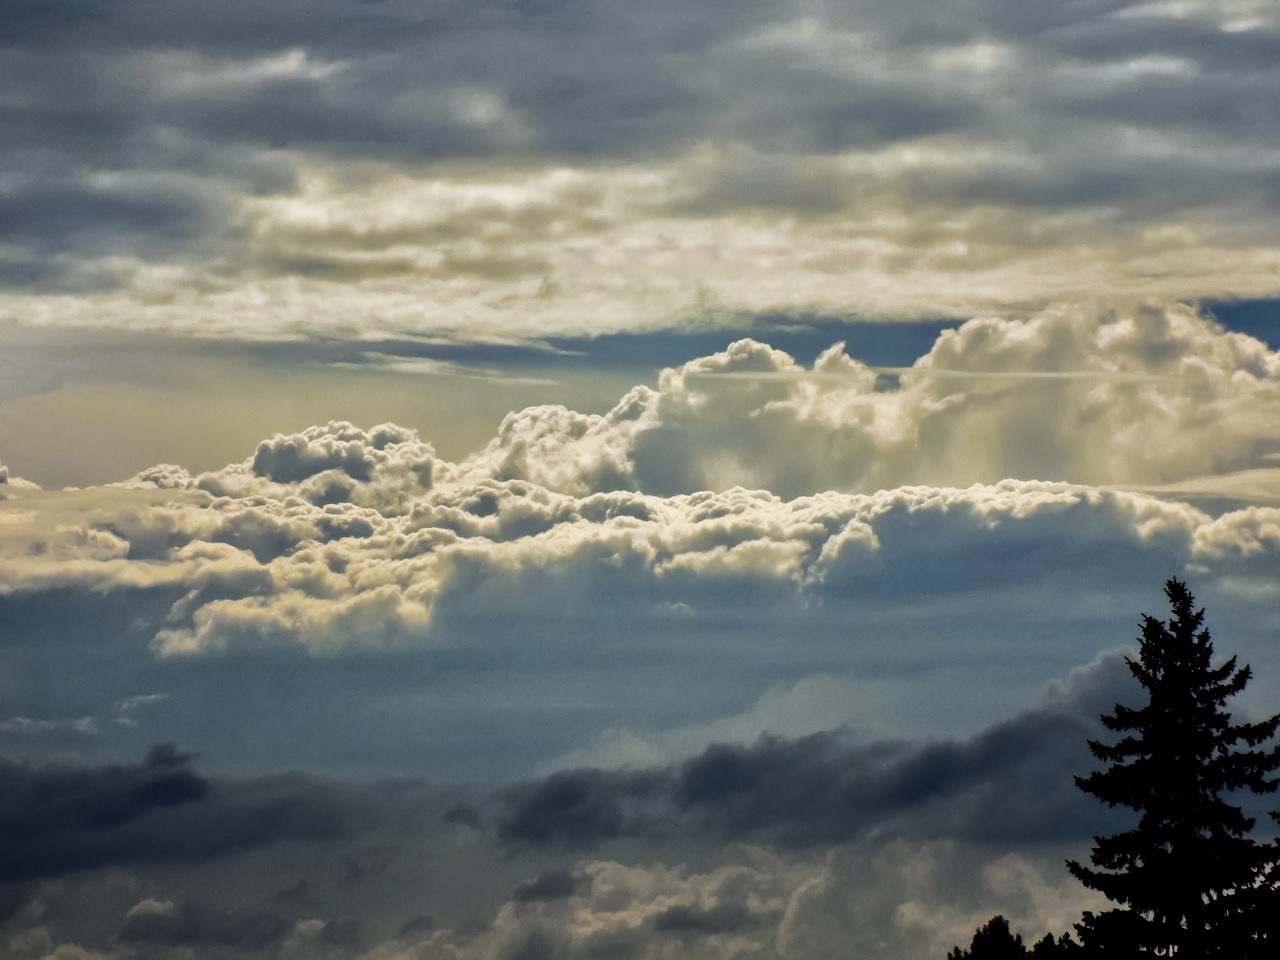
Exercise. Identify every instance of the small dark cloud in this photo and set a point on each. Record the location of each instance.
(722, 918)
(293, 896)
(581, 807)
(363, 864)
(194, 924)
(59, 819)
(13, 897)
(464, 816)
(623, 943)
(51, 213)
(61, 225)
(548, 885)
(416, 926)
(535, 944)
(341, 932)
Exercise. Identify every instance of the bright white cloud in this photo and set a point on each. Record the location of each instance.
(1146, 396)
(340, 538)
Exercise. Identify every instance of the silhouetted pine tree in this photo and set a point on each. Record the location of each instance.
(995, 941)
(1188, 880)
(992, 941)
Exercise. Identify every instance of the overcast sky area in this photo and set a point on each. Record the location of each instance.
(566, 480)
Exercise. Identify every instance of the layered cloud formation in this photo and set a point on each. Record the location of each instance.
(500, 170)
(741, 475)
(776, 655)
(924, 840)
(768, 659)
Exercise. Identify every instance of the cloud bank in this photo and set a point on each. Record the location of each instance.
(768, 659)
(742, 475)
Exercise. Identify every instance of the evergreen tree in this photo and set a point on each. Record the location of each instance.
(992, 941)
(1188, 880)
(995, 941)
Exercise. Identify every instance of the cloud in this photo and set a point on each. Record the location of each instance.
(1009, 784)
(885, 900)
(743, 480)
(11, 482)
(809, 705)
(121, 714)
(194, 925)
(1094, 397)
(510, 172)
(549, 885)
(744, 852)
(578, 807)
(59, 819)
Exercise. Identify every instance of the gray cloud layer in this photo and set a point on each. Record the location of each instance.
(1010, 784)
(335, 166)
(923, 834)
(57, 819)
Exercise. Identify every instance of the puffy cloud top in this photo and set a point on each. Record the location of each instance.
(1146, 396)
(743, 474)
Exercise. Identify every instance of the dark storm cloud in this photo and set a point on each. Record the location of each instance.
(582, 807)
(722, 918)
(59, 819)
(196, 924)
(553, 884)
(1009, 784)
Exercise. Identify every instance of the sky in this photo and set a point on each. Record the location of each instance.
(550, 480)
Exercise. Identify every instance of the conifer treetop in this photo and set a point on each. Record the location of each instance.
(1187, 879)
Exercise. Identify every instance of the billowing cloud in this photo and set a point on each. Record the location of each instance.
(1141, 397)
(256, 570)
(339, 538)
(891, 899)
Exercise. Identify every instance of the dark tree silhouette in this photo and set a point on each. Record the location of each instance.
(995, 941)
(992, 941)
(1188, 880)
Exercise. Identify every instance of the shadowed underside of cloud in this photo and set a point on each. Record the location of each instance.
(195, 925)
(56, 820)
(1010, 784)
